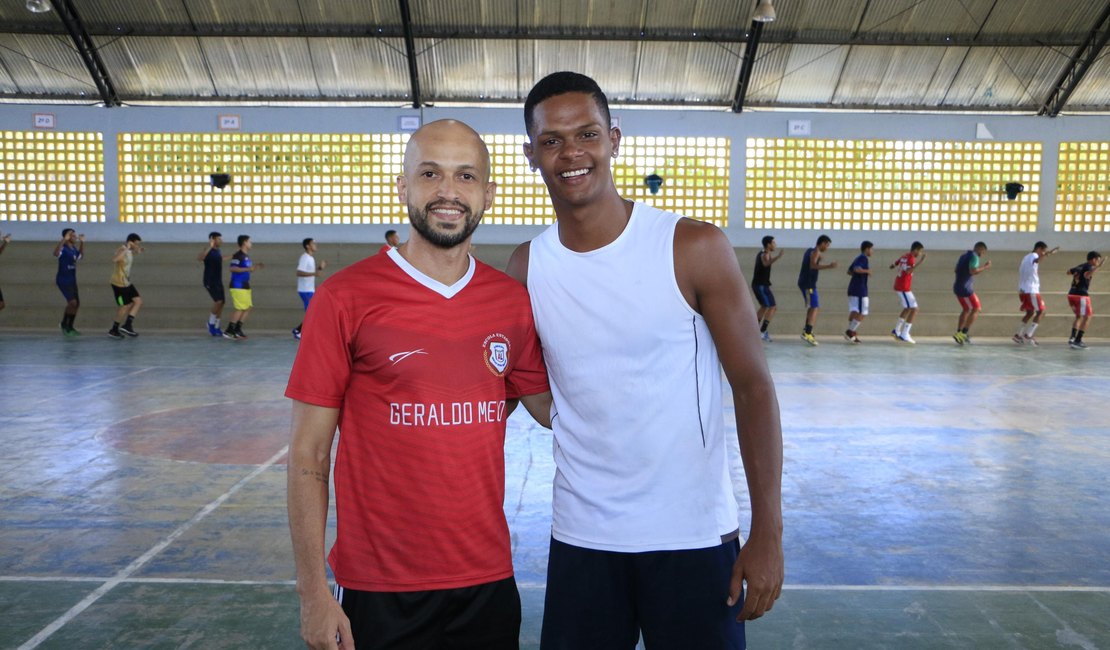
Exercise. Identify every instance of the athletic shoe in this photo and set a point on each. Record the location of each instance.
(896, 335)
(114, 333)
(850, 336)
(130, 331)
(960, 337)
(1078, 345)
(230, 334)
(1018, 339)
(766, 336)
(296, 334)
(908, 339)
(72, 332)
(240, 334)
(967, 339)
(214, 331)
(1031, 341)
(809, 338)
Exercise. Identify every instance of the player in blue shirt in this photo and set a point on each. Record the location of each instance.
(240, 268)
(68, 251)
(967, 267)
(860, 270)
(807, 282)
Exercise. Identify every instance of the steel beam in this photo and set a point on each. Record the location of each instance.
(1078, 65)
(746, 66)
(585, 34)
(410, 52)
(67, 13)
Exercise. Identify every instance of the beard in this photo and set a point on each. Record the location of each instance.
(444, 238)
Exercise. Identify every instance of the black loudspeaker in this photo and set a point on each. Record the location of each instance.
(220, 181)
(1013, 189)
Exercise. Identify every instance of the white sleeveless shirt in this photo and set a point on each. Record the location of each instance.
(639, 446)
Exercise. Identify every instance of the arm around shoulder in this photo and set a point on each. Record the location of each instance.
(518, 264)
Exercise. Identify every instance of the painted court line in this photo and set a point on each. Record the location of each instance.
(127, 571)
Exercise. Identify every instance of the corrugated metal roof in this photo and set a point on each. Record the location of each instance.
(44, 65)
(946, 54)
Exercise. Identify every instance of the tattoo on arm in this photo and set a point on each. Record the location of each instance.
(322, 477)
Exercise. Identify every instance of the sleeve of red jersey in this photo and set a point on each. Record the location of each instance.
(529, 374)
(323, 365)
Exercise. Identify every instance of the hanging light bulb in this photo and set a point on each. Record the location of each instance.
(764, 12)
(38, 6)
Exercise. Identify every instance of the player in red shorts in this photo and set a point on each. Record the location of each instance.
(1029, 293)
(417, 355)
(1079, 297)
(903, 286)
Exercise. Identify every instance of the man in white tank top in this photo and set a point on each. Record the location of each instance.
(637, 310)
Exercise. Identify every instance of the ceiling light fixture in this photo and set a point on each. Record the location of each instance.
(764, 12)
(38, 6)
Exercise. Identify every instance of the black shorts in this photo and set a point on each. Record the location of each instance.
(482, 617)
(69, 291)
(605, 599)
(125, 295)
(216, 292)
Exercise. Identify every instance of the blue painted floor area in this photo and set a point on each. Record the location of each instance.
(934, 496)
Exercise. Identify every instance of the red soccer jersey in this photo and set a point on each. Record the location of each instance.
(904, 279)
(420, 373)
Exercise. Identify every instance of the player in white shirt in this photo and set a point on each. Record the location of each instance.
(1029, 292)
(307, 272)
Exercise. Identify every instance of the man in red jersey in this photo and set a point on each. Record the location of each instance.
(417, 355)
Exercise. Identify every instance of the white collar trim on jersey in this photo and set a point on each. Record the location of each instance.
(433, 284)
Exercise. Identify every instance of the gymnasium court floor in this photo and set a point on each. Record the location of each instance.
(935, 497)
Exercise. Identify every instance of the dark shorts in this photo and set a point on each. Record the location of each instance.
(69, 291)
(125, 295)
(601, 600)
(216, 292)
(763, 295)
(481, 617)
(1, 295)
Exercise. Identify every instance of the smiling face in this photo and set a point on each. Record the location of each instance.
(446, 185)
(573, 146)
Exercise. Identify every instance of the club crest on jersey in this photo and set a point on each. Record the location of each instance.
(495, 350)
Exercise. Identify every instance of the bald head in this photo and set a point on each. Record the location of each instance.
(446, 185)
(447, 142)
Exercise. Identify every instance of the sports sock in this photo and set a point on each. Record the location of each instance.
(213, 321)
(1073, 331)
(809, 329)
(906, 329)
(1079, 336)
(900, 325)
(762, 328)
(130, 320)
(853, 325)
(115, 326)
(964, 330)
(1032, 328)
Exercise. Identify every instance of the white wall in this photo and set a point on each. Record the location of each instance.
(1050, 132)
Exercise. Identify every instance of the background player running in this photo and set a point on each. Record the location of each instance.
(68, 251)
(761, 286)
(807, 282)
(903, 286)
(858, 300)
(967, 267)
(1029, 293)
(213, 261)
(1079, 297)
